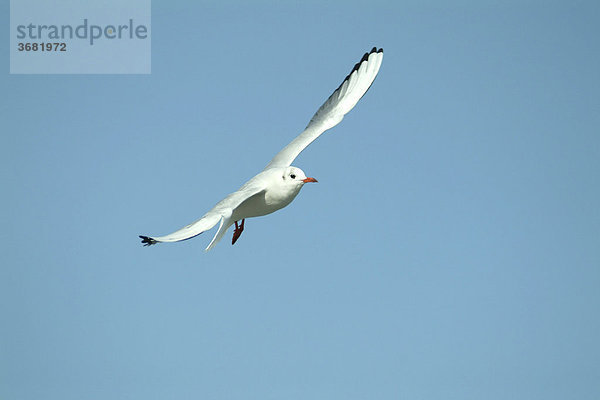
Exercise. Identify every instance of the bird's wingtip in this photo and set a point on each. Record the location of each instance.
(147, 241)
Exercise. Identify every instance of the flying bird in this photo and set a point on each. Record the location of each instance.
(279, 183)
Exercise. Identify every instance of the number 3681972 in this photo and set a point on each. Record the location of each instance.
(44, 46)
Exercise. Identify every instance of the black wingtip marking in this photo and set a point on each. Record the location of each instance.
(364, 58)
(147, 241)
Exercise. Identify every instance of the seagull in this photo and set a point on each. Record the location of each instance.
(279, 183)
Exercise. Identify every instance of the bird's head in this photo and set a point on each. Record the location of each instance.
(295, 176)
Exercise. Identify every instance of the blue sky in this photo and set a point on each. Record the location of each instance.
(451, 248)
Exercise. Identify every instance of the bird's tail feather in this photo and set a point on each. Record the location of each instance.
(225, 224)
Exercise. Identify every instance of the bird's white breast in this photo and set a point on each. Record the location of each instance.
(277, 194)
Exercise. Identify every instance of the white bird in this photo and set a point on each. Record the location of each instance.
(279, 183)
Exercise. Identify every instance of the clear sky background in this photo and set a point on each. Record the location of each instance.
(451, 249)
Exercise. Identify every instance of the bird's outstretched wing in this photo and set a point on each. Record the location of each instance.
(221, 212)
(343, 99)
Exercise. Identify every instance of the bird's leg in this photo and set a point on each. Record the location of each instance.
(238, 231)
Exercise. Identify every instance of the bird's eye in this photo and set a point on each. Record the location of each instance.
(293, 176)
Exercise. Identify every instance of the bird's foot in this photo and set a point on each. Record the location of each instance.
(238, 231)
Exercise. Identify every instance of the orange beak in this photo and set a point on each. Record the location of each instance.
(309, 180)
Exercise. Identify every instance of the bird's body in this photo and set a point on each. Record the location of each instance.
(277, 194)
(279, 183)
